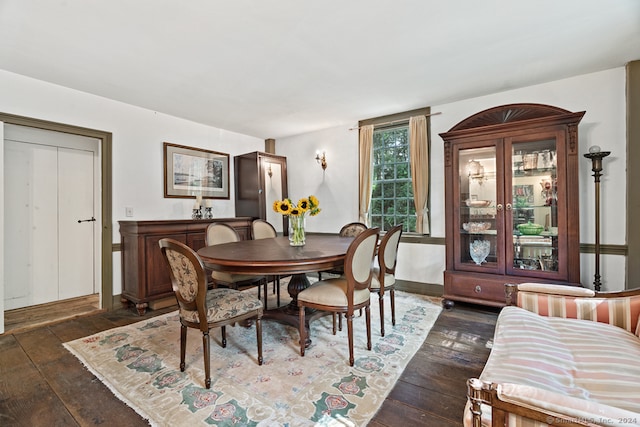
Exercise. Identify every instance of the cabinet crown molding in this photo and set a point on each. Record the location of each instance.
(513, 114)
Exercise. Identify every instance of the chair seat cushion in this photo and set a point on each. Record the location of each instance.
(332, 292)
(220, 276)
(224, 304)
(389, 280)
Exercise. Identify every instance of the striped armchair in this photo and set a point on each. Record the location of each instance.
(562, 356)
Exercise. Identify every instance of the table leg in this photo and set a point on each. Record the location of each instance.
(289, 314)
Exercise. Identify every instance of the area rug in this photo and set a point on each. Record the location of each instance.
(140, 364)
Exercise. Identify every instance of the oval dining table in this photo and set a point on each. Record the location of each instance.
(275, 256)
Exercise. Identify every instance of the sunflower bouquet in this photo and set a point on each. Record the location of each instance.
(297, 214)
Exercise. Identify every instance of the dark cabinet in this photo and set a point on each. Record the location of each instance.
(260, 179)
(512, 201)
(145, 276)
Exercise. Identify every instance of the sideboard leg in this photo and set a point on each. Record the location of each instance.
(141, 307)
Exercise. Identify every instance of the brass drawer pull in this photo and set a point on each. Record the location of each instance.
(478, 289)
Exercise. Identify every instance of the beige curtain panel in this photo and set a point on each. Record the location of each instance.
(366, 172)
(419, 150)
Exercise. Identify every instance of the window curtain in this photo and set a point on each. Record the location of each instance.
(419, 150)
(366, 172)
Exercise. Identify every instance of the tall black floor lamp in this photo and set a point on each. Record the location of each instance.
(596, 157)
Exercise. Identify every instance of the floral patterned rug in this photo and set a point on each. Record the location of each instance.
(140, 364)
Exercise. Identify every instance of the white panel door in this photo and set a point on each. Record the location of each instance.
(49, 185)
(31, 224)
(76, 222)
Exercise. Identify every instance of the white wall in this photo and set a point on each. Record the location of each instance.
(138, 135)
(601, 95)
(336, 187)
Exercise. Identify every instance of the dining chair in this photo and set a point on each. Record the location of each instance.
(351, 229)
(384, 278)
(261, 229)
(347, 293)
(219, 233)
(204, 309)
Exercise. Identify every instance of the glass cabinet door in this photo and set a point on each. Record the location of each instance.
(477, 246)
(532, 207)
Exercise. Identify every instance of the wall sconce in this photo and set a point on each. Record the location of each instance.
(476, 171)
(322, 160)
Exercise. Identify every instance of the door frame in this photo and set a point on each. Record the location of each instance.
(106, 285)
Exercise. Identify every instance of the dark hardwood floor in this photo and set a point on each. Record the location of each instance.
(42, 384)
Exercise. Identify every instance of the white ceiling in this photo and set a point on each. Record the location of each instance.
(283, 67)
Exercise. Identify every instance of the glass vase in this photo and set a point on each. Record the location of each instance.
(296, 230)
(479, 249)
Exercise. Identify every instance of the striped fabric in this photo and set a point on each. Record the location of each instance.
(576, 358)
(623, 312)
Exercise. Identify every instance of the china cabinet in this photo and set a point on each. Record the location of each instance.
(260, 180)
(511, 195)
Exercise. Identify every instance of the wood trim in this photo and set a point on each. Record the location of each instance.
(421, 288)
(633, 173)
(106, 188)
(395, 117)
(590, 248)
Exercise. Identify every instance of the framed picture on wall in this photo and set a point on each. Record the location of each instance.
(191, 172)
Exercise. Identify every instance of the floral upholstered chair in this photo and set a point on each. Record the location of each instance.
(202, 309)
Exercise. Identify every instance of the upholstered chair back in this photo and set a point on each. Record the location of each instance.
(218, 233)
(261, 229)
(388, 253)
(188, 277)
(352, 229)
(358, 263)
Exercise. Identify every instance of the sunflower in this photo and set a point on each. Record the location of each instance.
(283, 207)
(306, 205)
(303, 204)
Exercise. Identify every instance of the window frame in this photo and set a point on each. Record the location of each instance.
(392, 182)
(400, 119)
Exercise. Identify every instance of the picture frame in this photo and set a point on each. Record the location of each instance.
(190, 172)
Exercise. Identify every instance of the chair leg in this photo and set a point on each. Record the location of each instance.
(223, 329)
(183, 346)
(303, 335)
(278, 290)
(392, 296)
(259, 337)
(350, 335)
(340, 322)
(207, 359)
(367, 316)
(266, 292)
(381, 302)
(333, 316)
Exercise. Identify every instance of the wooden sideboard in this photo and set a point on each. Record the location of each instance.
(145, 275)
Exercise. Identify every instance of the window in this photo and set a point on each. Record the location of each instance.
(391, 191)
